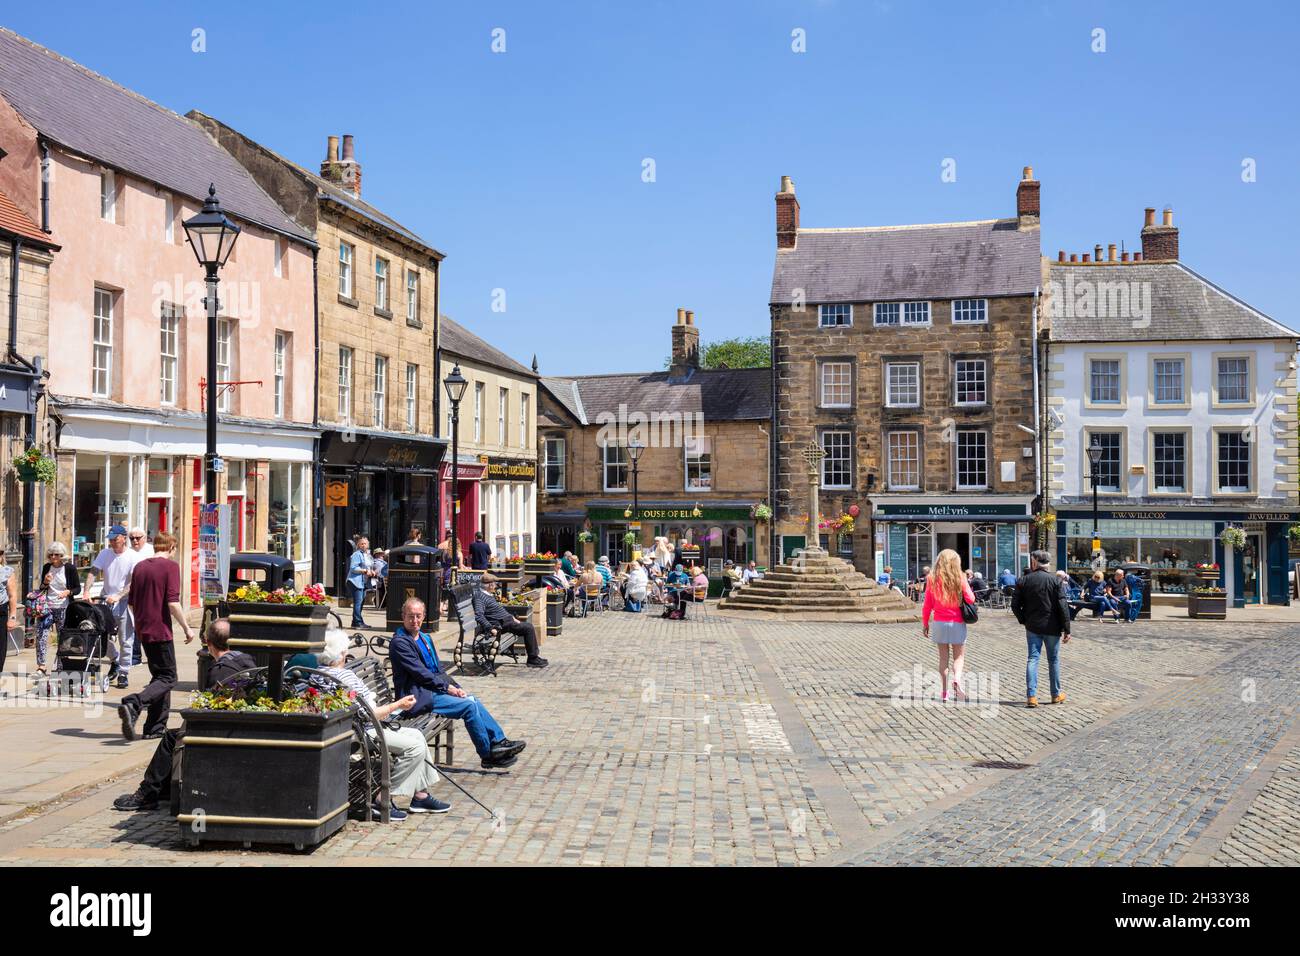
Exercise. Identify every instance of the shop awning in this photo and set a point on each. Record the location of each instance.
(951, 507)
(387, 450)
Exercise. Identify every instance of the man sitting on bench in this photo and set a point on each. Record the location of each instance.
(492, 618)
(417, 671)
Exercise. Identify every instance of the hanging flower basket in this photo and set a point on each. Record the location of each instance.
(629, 539)
(1233, 537)
(761, 512)
(1044, 521)
(34, 465)
(586, 537)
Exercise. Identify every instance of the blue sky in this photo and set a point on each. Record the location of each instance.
(525, 167)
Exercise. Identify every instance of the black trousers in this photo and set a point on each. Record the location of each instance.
(157, 782)
(155, 698)
(525, 630)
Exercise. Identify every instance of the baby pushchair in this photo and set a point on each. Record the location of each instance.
(85, 647)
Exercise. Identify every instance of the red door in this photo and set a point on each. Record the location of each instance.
(194, 557)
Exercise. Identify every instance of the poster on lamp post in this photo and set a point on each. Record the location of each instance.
(214, 551)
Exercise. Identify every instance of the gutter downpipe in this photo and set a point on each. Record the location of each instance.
(45, 187)
(435, 531)
(318, 480)
(1041, 435)
(773, 555)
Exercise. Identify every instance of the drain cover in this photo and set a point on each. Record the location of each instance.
(1002, 765)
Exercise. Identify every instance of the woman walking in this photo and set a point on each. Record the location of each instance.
(941, 617)
(60, 582)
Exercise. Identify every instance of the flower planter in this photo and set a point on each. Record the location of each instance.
(254, 777)
(511, 574)
(554, 613)
(261, 629)
(1211, 607)
(537, 568)
(521, 613)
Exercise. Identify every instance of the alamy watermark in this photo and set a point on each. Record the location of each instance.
(1087, 298)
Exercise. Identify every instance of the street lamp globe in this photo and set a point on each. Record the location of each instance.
(1095, 451)
(211, 234)
(455, 383)
(634, 450)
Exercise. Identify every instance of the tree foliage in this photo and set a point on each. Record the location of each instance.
(753, 352)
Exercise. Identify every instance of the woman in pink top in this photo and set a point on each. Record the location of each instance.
(941, 619)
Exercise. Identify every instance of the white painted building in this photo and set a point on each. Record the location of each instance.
(1191, 396)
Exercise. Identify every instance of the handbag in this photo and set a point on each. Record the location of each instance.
(969, 612)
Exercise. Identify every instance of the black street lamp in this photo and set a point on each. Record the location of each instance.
(212, 236)
(634, 450)
(1095, 451)
(455, 383)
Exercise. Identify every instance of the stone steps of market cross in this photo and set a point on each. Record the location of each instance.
(820, 613)
(830, 600)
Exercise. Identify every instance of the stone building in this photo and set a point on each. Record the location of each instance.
(905, 353)
(1189, 396)
(26, 253)
(376, 390)
(111, 177)
(497, 464)
(701, 476)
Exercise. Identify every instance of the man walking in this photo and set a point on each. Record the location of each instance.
(155, 601)
(361, 570)
(1041, 604)
(480, 553)
(494, 618)
(115, 564)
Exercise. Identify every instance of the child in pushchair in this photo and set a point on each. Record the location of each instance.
(85, 647)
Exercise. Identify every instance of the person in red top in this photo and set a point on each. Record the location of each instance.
(155, 598)
(941, 619)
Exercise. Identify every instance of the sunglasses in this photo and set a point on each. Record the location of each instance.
(137, 537)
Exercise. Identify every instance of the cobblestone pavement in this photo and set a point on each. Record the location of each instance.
(727, 742)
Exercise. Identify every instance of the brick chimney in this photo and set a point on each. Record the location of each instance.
(686, 346)
(1159, 242)
(787, 215)
(1027, 198)
(342, 171)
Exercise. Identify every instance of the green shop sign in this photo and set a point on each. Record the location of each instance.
(951, 511)
(672, 514)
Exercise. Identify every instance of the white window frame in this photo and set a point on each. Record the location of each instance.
(919, 312)
(345, 384)
(108, 195)
(102, 358)
(1121, 388)
(697, 457)
(227, 357)
(412, 397)
(525, 410)
(962, 309)
(620, 462)
(548, 459)
(915, 458)
(837, 366)
(478, 411)
(890, 401)
(381, 283)
(169, 218)
(281, 245)
(412, 296)
(834, 310)
(892, 312)
(1086, 465)
(278, 373)
(347, 258)
(1184, 400)
(1216, 396)
(957, 459)
(503, 416)
(1249, 437)
(169, 327)
(1152, 468)
(380, 395)
(847, 445)
(957, 381)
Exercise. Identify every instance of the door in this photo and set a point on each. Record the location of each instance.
(1252, 558)
(790, 543)
(614, 547)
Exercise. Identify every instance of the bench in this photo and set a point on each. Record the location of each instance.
(364, 784)
(482, 646)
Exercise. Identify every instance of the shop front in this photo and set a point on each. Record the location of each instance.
(990, 534)
(375, 484)
(470, 517)
(723, 532)
(1173, 541)
(508, 505)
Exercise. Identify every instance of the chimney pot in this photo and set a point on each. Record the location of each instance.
(1060, 256)
(681, 316)
(1137, 257)
(1074, 257)
(1028, 173)
(1110, 252)
(1123, 257)
(1169, 216)
(787, 185)
(1150, 216)
(690, 317)
(1096, 253)
(332, 150)
(1085, 257)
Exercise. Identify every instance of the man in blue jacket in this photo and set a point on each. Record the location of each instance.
(417, 671)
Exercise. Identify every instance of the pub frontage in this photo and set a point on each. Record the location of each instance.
(990, 533)
(377, 484)
(724, 531)
(1172, 541)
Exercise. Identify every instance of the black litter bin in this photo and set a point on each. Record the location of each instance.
(1143, 574)
(414, 570)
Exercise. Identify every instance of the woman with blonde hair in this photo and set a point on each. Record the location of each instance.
(941, 616)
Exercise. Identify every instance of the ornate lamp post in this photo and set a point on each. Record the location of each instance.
(634, 450)
(455, 384)
(1095, 451)
(212, 237)
(813, 454)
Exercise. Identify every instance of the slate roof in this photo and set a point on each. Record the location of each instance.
(90, 115)
(1183, 304)
(460, 341)
(740, 394)
(14, 220)
(892, 263)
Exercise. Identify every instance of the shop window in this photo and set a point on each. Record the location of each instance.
(920, 550)
(104, 489)
(289, 514)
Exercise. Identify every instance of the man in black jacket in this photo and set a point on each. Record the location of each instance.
(157, 780)
(1041, 604)
(494, 618)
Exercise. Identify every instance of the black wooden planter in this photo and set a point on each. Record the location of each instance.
(264, 777)
(520, 613)
(1212, 607)
(274, 632)
(554, 613)
(538, 568)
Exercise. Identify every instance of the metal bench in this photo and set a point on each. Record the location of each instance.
(482, 646)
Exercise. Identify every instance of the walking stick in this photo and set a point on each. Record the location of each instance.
(447, 777)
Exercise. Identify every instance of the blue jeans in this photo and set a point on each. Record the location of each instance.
(482, 728)
(358, 595)
(125, 637)
(1036, 643)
